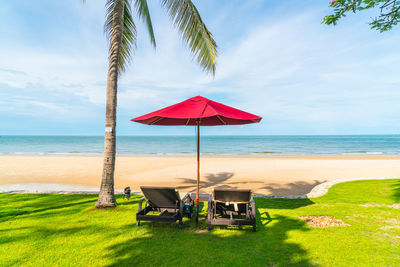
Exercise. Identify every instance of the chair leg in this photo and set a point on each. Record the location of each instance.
(180, 224)
(190, 212)
(210, 214)
(138, 223)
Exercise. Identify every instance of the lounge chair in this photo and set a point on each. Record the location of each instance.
(165, 201)
(231, 207)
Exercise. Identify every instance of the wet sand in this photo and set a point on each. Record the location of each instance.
(264, 175)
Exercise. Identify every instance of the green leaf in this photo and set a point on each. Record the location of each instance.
(143, 12)
(389, 12)
(194, 32)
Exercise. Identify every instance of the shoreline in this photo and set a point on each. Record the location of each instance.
(35, 188)
(282, 176)
(300, 156)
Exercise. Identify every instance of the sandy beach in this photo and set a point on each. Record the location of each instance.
(264, 175)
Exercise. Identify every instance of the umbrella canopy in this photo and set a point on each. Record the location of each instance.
(198, 110)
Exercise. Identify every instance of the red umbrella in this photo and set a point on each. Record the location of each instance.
(198, 111)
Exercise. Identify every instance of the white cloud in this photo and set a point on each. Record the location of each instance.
(291, 70)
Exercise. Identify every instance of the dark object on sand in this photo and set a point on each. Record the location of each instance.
(165, 201)
(231, 207)
(127, 193)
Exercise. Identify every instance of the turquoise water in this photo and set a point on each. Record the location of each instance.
(210, 145)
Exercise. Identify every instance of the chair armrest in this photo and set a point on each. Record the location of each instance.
(140, 203)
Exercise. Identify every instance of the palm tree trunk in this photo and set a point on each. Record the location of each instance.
(106, 195)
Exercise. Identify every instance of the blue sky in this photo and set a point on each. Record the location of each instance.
(275, 60)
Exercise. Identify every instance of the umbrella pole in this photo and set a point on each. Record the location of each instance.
(198, 171)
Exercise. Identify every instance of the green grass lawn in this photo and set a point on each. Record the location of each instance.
(65, 230)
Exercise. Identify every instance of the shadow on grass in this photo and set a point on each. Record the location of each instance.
(42, 208)
(40, 232)
(396, 192)
(49, 204)
(46, 205)
(134, 200)
(165, 244)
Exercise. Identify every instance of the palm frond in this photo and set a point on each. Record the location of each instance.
(194, 32)
(144, 14)
(128, 42)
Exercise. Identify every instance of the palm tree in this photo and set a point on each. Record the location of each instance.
(121, 34)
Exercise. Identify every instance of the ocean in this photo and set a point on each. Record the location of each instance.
(313, 145)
